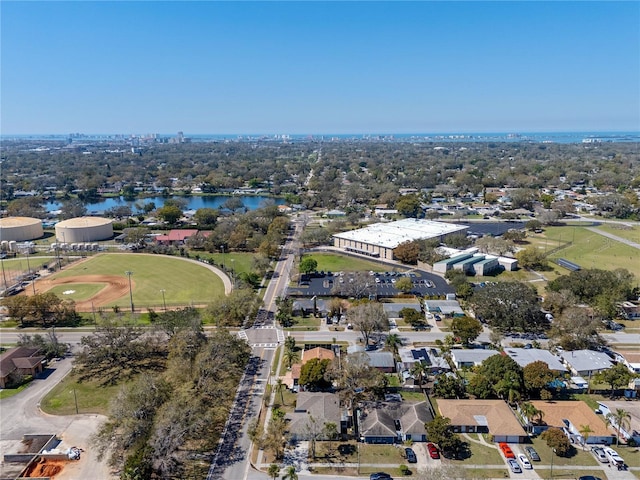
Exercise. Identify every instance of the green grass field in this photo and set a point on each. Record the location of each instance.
(183, 282)
(334, 262)
(81, 291)
(240, 262)
(91, 397)
(587, 249)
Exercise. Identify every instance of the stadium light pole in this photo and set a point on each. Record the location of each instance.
(164, 302)
(129, 273)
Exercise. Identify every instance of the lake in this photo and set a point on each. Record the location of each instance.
(251, 202)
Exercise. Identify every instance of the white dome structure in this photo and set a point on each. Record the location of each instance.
(84, 229)
(20, 229)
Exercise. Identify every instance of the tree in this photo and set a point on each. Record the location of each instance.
(291, 473)
(407, 252)
(509, 306)
(405, 285)
(393, 342)
(440, 431)
(308, 265)
(72, 209)
(448, 386)
(274, 437)
(501, 374)
(356, 285)
(174, 321)
(280, 389)
(419, 372)
(49, 345)
(536, 376)
(368, 318)
(466, 329)
(585, 431)
(532, 258)
(169, 213)
(312, 374)
(273, 471)
(290, 355)
(284, 314)
(557, 440)
(356, 379)
(206, 218)
(619, 419)
(409, 206)
(576, 328)
(412, 317)
(233, 309)
(617, 376)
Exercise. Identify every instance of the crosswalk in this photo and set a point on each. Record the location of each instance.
(272, 346)
(243, 335)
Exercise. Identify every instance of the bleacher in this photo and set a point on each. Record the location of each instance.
(568, 265)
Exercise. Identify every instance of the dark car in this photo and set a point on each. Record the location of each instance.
(380, 476)
(589, 477)
(411, 455)
(532, 454)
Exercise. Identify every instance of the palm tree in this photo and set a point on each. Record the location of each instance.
(621, 419)
(419, 371)
(290, 356)
(274, 471)
(279, 388)
(528, 410)
(585, 430)
(291, 474)
(393, 342)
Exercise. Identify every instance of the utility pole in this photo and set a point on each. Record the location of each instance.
(164, 303)
(129, 273)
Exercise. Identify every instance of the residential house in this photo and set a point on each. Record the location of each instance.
(429, 356)
(630, 358)
(483, 416)
(570, 416)
(586, 362)
(323, 407)
(382, 361)
(525, 356)
(175, 237)
(392, 310)
(17, 362)
(470, 358)
(292, 377)
(391, 422)
(449, 308)
(310, 306)
(630, 310)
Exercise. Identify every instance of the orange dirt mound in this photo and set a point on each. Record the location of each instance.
(44, 468)
(115, 287)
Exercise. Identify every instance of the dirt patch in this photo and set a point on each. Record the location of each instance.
(44, 468)
(115, 287)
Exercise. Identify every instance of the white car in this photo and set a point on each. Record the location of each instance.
(526, 464)
(613, 456)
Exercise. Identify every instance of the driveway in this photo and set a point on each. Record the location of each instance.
(21, 414)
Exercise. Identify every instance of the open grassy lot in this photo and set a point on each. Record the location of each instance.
(335, 262)
(588, 249)
(183, 282)
(380, 454)
(91, 397)
(242, 262)
(629, 232)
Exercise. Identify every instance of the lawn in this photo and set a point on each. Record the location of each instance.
(334, 262)
(380, 454)
(183, 282)
(629, 232)
(240, 262)
(590, 250)
(581, 458)
(10, 392)
(91, 397)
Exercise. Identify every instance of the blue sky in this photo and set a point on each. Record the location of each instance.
(319, 67)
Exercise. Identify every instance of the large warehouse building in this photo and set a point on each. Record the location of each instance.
(379, 240)
(20, 229)
(84, 229)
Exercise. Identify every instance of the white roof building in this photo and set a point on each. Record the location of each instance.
(525, 356)
(379, 239)
(586, 362)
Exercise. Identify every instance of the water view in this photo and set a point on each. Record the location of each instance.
(251, 202)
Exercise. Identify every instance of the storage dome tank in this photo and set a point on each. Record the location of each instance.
(84, 229)
(20, 229)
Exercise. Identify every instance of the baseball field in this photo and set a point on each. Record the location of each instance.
(102, 281)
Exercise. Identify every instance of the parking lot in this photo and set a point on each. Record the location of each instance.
(378, 284)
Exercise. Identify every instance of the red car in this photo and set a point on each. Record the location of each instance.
(506, 450)
(433, 451)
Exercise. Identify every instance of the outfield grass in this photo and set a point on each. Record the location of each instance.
(242, 262)
(334, 262)
(628, 232)
(183, 282)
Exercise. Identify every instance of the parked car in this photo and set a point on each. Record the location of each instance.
(411, 455)
(614, 458)
(532, 454)
(433, 451)
(589, 477)
(380, 476)
(506, 451)
(514, 466)
(598, 452)
(524, 461)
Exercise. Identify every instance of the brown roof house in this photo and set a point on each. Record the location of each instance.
(321, 407)
(391, 422)
(483, 416)
(17, 362)
(570, 416)
(292, 377)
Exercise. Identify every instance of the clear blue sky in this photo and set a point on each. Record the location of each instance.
(319, 67)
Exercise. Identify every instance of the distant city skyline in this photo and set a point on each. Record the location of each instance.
(298, 68)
